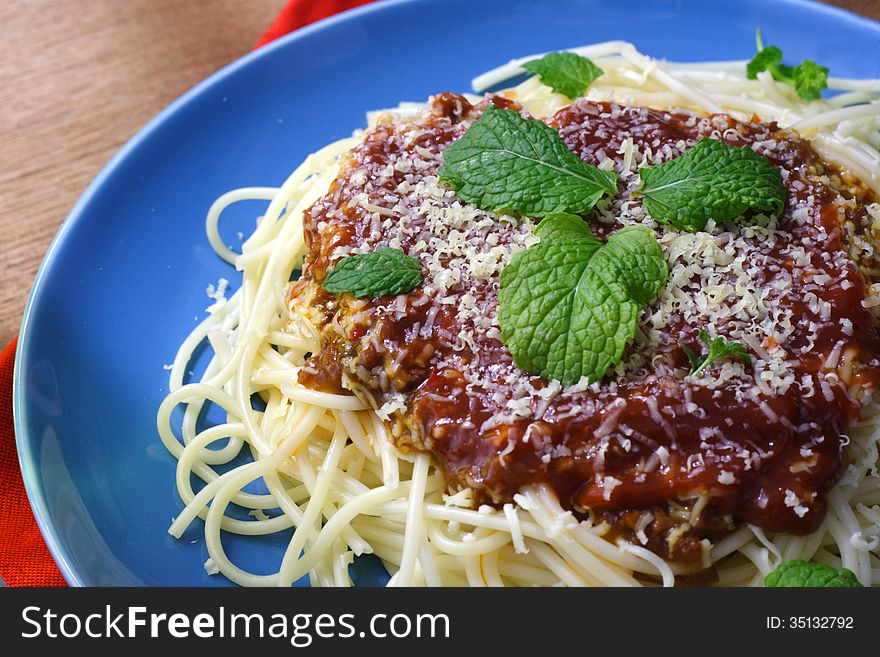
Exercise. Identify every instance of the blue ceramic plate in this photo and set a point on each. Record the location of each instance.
(124, 280)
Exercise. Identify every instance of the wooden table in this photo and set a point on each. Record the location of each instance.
(79, 77)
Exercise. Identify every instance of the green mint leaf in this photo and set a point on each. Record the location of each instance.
(711, 181)
(767, 58)
(810, 79)
(565, 72)
(562, 224)
(568, 306)
(804, 574)
(718, 348)
(376, 274)
(693, 357)
(505, 163)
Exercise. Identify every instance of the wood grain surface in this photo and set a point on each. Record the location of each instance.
(79, 77)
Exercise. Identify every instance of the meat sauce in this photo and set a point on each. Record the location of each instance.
(764, 445)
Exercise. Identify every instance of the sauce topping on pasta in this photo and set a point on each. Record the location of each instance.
(760, 442)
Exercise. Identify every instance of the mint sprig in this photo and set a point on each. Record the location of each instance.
(808, 77)
(718, 348)
(569, 305)
(505, 163)
(379, 273)
(565, 73)
(803, 574)
(711, 181)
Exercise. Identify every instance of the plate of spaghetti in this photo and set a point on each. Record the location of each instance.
(518, 302)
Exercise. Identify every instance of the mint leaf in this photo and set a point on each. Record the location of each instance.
(718, 348)
(711, 181)
(803, 574)
(566, 73)
(568, 306)
(562, 224)
(505, 163)
(377, 274)
(808, 77)
(766, 58)
(693, 357)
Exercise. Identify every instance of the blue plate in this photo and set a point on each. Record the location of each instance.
(124, 281)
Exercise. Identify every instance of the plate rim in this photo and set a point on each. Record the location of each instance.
(25, 443)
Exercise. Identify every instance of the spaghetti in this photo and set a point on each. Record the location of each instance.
(336, 473)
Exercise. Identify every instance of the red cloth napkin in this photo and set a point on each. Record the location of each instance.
(24, 558)
(299, 13)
